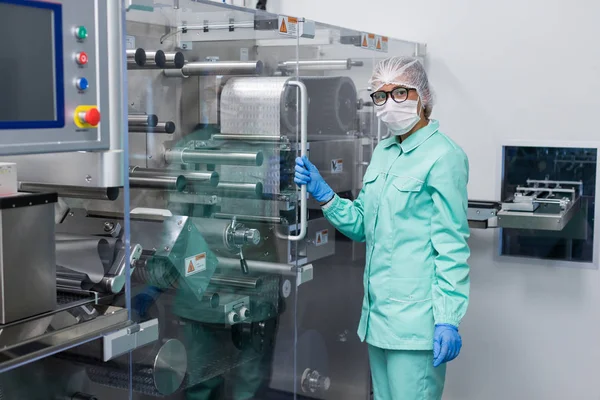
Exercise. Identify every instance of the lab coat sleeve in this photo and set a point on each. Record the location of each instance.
(447, 183)
(347, 216)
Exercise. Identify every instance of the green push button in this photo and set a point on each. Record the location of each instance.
(81, 33)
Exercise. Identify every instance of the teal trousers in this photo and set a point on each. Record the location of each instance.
(405, 375)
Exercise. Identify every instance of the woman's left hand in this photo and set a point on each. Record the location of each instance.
(446, 344)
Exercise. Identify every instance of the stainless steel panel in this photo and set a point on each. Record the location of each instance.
(320, 239)
(28, 267)
(130, 338)
(537, 220)
(92, 169)
(336, 161)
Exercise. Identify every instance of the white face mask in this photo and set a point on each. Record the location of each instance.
(400, 117)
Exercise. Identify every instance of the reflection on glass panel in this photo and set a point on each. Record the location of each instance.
(549, 208)
(259, 313)
(213, 202)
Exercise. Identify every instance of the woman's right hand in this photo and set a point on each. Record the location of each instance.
(307, 174)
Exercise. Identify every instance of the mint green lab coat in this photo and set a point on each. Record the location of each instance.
(412, 212)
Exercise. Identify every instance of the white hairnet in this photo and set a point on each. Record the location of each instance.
(405, 71)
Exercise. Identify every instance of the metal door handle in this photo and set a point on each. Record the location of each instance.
(303, 147)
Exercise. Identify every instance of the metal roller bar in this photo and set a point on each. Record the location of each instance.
(214, 231)
(320, 65)
(249, 138)
(67, 282)
(222, 68)
(136, 58)
(236, 281)
(77, 192)
(187, 156)
(235, 188)
(161, 127)
(160, 183)
(159, 57)
(257, 266)
(174, 60)
(549, 182)
(174, 73)
(154, 60)
(144, 120)
(158, 371)
(248, 218)
(212, 298)
(208, 178)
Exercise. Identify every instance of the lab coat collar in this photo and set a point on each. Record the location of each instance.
(414, 140)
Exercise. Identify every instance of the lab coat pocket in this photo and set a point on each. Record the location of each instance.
(370, 177)
(411, 309)
(407, 184)
(406, 190)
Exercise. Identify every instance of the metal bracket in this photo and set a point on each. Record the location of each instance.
(482, 214)
(304, 274)
(127, 339)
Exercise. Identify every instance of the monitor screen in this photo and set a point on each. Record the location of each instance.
(28, 75)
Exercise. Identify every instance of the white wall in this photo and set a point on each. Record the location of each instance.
(507, 70)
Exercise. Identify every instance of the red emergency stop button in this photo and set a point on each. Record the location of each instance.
(90, 117)
(82, 58)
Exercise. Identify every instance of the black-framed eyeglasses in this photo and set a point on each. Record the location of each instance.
(398, 94)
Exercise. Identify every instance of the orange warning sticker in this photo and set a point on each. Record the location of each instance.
(381, 43)
(288, 26)
(367, 41)
(322, 237)
(195, 264)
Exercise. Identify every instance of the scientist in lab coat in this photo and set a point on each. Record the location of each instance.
(412, 213)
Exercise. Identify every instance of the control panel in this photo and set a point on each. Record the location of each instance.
(59, 74)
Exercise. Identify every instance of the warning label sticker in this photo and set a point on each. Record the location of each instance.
(322, 237)
(195, 264)
(364, 42)
(371, 40)
(367, 41)
(337, 166)
(379, 43)
(288, 26)
(130, 42)
(384, 44)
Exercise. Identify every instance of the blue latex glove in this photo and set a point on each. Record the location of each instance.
(143, 301)
(307, 174)
(446, 343)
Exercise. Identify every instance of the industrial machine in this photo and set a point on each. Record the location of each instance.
(547, 207)
(154, 242)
